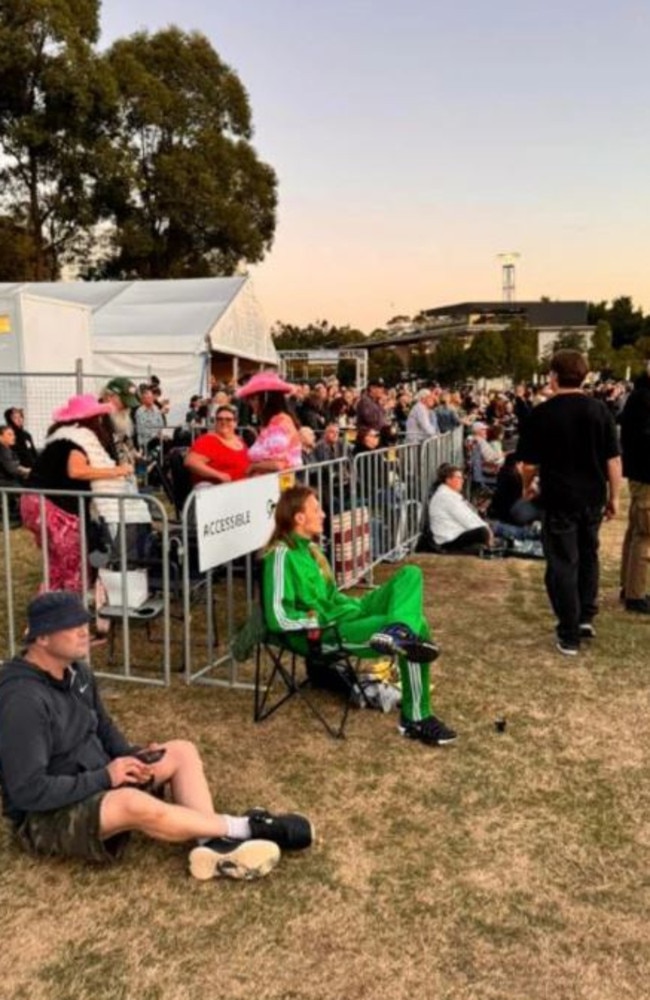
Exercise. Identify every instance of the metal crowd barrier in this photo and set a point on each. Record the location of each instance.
(23, 577)
(384, 492)
(374, 507)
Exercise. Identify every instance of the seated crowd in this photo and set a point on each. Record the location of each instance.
(72, 784)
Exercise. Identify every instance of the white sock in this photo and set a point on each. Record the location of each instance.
(238, 827)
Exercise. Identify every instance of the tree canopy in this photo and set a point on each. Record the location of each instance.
(150, 142)
(187, 193)
(319, 334)
(53, 98)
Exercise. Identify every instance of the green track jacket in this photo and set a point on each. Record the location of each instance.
(294, 584)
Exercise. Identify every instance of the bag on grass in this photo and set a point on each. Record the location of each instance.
(246, 638)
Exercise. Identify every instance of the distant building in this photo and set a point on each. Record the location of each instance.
(465, 319)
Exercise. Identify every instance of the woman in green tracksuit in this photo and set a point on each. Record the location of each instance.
(300, 591)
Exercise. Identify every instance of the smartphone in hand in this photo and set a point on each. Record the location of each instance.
(150, 756)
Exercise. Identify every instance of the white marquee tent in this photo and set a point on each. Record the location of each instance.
(132, 328)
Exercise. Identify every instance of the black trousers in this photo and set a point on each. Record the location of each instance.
(570, 540)
(468, 539)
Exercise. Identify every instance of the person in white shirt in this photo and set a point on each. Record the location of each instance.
(453, 522)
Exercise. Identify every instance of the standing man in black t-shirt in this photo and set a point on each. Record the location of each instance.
(570, 441)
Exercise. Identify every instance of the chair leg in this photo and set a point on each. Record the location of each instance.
(262, 708)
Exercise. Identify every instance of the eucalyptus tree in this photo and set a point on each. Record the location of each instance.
(54, 95)
(187, 194)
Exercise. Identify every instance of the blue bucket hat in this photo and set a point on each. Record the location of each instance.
(54, 612)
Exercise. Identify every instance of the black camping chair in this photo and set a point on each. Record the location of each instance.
(278, 657)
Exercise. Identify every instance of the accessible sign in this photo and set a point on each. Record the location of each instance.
(234, 518)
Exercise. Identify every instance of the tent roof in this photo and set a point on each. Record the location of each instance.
(178, 312)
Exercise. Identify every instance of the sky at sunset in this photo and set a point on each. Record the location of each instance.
(415, 141)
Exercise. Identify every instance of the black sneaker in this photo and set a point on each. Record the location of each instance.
(432, 731)
(223, 857)
(399, 638)
(587, 631)
(567, 648)
(640, 605)
(290, 831)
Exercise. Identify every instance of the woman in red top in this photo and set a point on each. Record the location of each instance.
(219, 456)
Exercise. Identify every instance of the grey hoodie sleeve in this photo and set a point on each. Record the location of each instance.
(25, 751)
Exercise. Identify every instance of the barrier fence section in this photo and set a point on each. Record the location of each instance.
(383, 492)
(123, 541)
(374, 507)
(387, 492)
(199, 595)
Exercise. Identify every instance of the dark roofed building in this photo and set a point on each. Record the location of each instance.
(465, 319)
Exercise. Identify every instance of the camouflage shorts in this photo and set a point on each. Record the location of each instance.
(71, 832)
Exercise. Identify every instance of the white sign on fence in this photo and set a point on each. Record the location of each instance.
(234, 518)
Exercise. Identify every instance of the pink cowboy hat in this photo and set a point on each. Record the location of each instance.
(263, 382)
(80, 408)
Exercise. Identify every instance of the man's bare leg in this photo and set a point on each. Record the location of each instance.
(191, 816)
(124, 809)
(182, 767)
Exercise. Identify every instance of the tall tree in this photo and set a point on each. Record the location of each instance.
(600, 352)
(520, 349)
(186, 190)
(449, 360)
(52, 100)
(571, 340)
(485, 356)
(319, 334)
(626, 322)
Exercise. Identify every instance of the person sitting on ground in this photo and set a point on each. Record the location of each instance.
(454, 524)
(300, 592)
(74, 786)
(508, 505)
(24, 446)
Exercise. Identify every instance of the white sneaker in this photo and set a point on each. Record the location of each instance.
(224, 857)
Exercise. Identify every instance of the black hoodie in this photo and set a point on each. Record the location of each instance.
(56, 739)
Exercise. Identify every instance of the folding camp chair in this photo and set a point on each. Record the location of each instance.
(277, 664)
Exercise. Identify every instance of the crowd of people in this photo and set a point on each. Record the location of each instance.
(73, 785)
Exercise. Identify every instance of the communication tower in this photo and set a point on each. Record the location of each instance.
(508, 275)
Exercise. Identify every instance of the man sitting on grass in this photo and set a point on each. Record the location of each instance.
(300, 592)
(73, 786)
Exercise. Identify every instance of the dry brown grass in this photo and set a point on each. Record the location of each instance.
(505, 867)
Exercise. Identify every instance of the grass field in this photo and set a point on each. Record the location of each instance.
(508, 866)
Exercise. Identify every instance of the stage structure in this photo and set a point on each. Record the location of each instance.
(305, 366)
